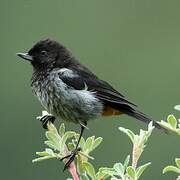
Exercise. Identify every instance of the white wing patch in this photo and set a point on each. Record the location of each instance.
(67, 72)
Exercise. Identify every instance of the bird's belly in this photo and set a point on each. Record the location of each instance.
(67, 103)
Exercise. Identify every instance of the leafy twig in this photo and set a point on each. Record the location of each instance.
(57, 141)
(173, 125)
(175, 169)
(138, 141)
(62, 142)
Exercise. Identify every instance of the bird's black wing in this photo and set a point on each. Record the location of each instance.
(104, 92)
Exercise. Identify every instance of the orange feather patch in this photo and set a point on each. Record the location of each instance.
(109, 111)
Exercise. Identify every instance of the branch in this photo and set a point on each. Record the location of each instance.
(73, 171)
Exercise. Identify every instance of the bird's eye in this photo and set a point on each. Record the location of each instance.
(43, 53)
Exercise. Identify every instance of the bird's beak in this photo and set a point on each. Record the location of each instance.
(25, 56)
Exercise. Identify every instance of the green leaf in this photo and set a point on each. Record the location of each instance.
(44, 153)
(172, 121)
(62, 129)
(96, 143)
(51, 145)
(49, 151)
(82, 143)
(165, 125)
(84, 177)
(141, 169)
(109, 171)
(71, 146)
(118, 167)
(126, 162)
(178, 130)
(150, 126)
(114, 178)
(88, 144)
(89, 169)
(171, 169)
(42, 158)
(101, 174)
(131, 172)
(80, 168)
(177, 107)
(54, 139)
(52, 128)
(177, 160)
(86, 155)
(67, 135)
(128, 132)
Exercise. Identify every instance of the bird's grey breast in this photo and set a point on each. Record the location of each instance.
(64, 101)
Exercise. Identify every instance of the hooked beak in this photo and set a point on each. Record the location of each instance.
(25, 56)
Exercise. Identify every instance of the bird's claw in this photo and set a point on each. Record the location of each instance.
(45, 119)
(71, 158)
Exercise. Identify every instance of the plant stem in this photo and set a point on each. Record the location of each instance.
(134, 158)
(136, 155)
(73, 171)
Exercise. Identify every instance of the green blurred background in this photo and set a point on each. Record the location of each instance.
(133, 44)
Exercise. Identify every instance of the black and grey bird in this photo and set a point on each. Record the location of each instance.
(70, 91)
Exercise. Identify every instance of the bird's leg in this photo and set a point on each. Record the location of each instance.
(73, 154)
(45, 119)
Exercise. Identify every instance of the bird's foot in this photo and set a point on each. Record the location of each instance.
(45, 119)
(70, 158)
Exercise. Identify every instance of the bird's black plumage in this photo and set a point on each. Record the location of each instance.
(49, 55)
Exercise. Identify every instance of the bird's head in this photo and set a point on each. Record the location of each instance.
(47, 53)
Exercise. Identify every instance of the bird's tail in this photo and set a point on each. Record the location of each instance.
(140, 116)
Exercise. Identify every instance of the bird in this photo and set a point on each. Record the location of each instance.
(68, 90)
